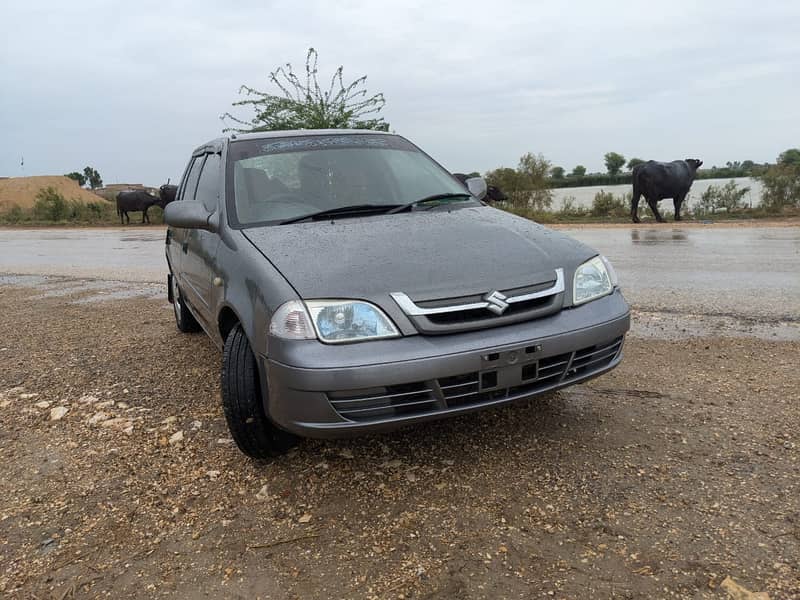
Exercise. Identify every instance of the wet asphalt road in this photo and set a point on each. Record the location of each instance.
(727, 272)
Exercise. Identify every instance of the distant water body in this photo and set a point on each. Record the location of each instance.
(583, 196)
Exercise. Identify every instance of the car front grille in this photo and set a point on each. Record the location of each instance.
(472, 389)
(491, 309)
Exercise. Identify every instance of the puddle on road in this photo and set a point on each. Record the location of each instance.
(659, 236)
(150, 290)
(677, 326)
(87, 291)
(24, 280)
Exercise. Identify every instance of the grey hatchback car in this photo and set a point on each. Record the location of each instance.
(355, 285)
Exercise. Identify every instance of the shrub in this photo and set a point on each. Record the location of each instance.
(606, 204)
(781, 187)
(569, 210)
(729, 197)
(50, 205)
(14, 215)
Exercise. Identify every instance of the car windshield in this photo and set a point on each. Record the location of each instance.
(278, 179)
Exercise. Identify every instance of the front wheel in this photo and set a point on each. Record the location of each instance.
(184, 319)
(243, 404)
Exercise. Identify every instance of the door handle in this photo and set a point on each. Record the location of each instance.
(185, 247)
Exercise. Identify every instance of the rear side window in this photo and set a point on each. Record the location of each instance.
(208, 185)
(187, 193)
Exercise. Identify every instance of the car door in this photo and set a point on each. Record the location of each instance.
(199, 246)
(176, 237)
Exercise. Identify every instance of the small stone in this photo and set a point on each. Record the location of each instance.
(123, 405)
(346, 453)
(169, 420)
(212, 475)
(27, 396)
(197, 424)
(176, 438)
(305, 518)
(128, 430)
(105, 404)
(411, 477)
(42, 404)
(87, 399)
(98, 416)
(739, 592)
(117, 423)
(392, 464)
(224, 441)
(5, 403)
(263, 493)
(57, 413)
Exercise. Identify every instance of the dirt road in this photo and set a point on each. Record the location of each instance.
(658, 480)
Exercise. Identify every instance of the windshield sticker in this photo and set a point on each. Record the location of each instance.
(334, 141)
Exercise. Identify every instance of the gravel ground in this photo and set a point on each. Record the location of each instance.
(660, 479)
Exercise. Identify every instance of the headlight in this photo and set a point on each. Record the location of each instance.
(593, 279)
(332, 321)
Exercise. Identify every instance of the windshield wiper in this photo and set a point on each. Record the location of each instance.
(353, 209)
(445, 196)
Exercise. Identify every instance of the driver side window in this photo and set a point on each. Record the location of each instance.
(187, 193)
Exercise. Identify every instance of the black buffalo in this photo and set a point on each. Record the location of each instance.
(493, 193)
(140, 200)
(659, 180)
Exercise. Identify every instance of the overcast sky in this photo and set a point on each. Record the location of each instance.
(132, 87)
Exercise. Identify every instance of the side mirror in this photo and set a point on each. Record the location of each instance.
(188, 214)
(477, 187)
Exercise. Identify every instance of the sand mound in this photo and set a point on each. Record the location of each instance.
(22, 190)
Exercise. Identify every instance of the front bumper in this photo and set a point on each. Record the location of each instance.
(318, 390)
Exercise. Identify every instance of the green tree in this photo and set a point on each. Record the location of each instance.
(633, 162)
(781, 182)
(579, 171)
(301, 103)
(93, 177)
(790, 157)
(614, 162)
(79, 177)
(527, 185)
(557, 172)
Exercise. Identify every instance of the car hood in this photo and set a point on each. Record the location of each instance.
(425, 254)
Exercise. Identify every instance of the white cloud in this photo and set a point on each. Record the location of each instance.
(131, 88)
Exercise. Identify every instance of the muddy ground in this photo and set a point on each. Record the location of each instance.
(658, 480)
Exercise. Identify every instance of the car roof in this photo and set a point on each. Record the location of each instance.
(216, 144)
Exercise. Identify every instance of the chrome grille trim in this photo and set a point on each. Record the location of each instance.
(413, 310)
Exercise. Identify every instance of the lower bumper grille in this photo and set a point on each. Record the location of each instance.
(477, 387)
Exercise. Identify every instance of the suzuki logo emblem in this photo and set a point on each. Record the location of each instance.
(497, 302)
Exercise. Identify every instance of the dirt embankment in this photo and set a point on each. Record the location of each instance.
(21, 191)
(658, 480)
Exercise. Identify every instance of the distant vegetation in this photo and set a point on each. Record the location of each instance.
(527, 186)
(52, 208)
(781, 182)
(614, 174)
(89, 175)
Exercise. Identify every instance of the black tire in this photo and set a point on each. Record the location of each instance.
(184, 319)
(242, 402)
